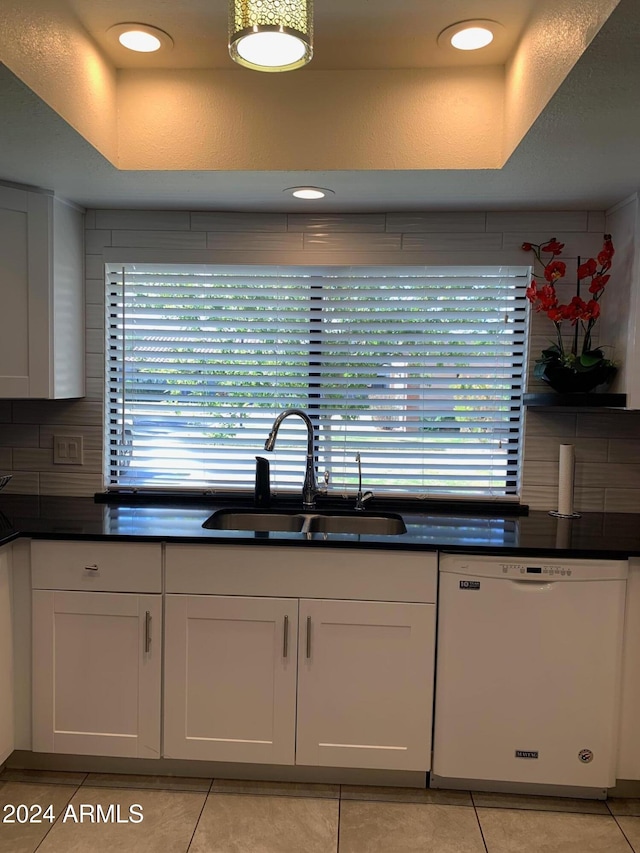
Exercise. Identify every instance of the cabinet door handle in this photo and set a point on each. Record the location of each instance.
(308, 636)
(285, 639)
(93, 568)
(147, 632)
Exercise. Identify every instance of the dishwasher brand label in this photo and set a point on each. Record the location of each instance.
(469, 584)
(526, 753)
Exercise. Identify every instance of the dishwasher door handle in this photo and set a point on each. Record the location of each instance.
(536, 586)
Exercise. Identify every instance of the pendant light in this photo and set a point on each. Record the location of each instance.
(271, 35)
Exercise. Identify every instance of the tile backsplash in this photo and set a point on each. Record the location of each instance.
(607, 442)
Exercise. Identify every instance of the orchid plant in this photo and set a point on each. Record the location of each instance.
(581, 314)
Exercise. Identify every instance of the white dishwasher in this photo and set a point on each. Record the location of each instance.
(528, 670)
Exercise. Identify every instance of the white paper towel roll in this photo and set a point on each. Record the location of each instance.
(565, 479)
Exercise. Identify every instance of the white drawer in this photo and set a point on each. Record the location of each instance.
(99, 566)
(362, 574)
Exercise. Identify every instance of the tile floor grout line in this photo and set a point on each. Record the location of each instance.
(51, 825)
(195, 828)
(624, 835)
(339, 818)
(484, 840)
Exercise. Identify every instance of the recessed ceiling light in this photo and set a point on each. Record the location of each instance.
(469, 35)
(309, 192)
(142, 38)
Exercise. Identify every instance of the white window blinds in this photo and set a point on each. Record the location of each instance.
(419, 369)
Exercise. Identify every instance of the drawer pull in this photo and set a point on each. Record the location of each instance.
(285, 639)
(308, 636)
(93, 568)
(147, 632)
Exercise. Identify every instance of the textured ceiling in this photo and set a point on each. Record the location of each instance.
(351, 34)
(581, 152)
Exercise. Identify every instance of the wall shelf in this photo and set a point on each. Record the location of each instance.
(590, 401)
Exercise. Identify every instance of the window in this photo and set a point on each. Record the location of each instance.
(419, 369)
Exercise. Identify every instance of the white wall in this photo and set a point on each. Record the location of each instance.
(607, 442)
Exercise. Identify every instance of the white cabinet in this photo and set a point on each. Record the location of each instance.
(230, 678)
(629, 740)
(42, 292)
(6, 658)
(97, 655)
(365, 684)
(361, 693)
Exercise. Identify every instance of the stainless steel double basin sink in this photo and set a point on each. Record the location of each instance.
(306, 521)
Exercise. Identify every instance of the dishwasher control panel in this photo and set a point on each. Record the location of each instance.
(537, 570)
(533, 568)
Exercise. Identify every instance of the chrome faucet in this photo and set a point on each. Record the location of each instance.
(310, 487)
(361, 499)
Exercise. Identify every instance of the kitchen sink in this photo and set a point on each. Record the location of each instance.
(239, 519)
(381, 524)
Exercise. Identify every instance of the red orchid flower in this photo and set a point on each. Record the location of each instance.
(598, 282)
(587, 268)
(555, 270)
(553, 246)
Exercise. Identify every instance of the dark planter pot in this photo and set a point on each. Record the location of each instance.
(565, 380)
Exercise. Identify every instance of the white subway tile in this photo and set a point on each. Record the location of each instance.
(623, 449)
(94, 341)
(588, 500)
(538, 496)
(598, 474)
(94, 387)
(144, 220)
(94, 267)
(608, 425)
(57, 412)
(23, 483)
(94, 290)
(160, 239)
(349, 222)
(95, 241)
(583, 244)
(89, 219)
(94, 316)
(330, 242)
(94, 365)
(255, 241)
(41, 459)
(70, 484)
(538, 447)
(550, 423)
(238, 221)
(622, 500)
(456, 241)
(596, 221)
(446, 221)
(548, 222)
(19, 435)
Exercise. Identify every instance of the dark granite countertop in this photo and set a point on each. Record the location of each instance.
(607, 535)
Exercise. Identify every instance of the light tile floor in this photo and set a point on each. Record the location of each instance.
(226, 816)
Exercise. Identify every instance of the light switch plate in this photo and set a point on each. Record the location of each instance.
(68, 450)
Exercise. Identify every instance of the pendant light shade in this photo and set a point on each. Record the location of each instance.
(271, 35)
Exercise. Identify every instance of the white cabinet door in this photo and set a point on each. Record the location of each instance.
(41, 288)
(230, 678)
(629, 736)
(6, 659)
(96, 673)
(365, 684)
